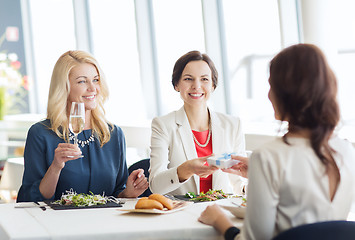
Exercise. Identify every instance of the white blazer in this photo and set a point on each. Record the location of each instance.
(172, 144)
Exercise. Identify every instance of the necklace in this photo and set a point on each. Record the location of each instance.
(207, 141)
(208, 138)
(81, 142)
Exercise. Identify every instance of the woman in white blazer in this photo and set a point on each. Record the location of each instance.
(182, 140)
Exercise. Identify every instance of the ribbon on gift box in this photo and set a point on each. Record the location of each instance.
(224, 156)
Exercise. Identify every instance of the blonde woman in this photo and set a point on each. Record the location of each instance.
(52, 164)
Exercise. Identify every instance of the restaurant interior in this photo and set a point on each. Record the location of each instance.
(137, 43)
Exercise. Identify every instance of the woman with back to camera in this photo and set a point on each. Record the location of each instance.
(182, 140)
(307, 175)
(52, 164)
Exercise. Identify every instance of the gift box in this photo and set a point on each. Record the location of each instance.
(222, 160)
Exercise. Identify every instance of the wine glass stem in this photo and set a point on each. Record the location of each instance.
(75, 139)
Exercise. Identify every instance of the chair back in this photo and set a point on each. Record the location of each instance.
(138, 138)
(143, 164)
(11, 178)
(339, 230)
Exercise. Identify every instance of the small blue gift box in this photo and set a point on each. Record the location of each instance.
(222, 161)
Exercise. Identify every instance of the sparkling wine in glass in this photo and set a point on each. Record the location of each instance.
(77, 119)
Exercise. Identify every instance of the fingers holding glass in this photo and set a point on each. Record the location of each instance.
(76, 121)
(65, 152)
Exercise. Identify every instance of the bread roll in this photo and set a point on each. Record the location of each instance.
(148, 204)
(163, 200)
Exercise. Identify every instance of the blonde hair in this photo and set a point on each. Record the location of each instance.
(59, 92)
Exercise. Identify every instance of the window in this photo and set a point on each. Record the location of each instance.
(53, 34)
(252, 39)
(179, 29)
(115, 48)
(345, 67)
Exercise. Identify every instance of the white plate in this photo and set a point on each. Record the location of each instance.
(239, 212)
(234, 205)
(178, 205)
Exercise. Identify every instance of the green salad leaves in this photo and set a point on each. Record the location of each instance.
(81, 199)
(211, 195)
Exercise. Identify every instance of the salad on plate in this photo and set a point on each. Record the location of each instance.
(79, 200)
(211, 195)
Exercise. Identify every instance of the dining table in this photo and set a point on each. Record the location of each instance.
(39, 221)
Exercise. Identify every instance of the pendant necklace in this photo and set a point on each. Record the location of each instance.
(82, 143)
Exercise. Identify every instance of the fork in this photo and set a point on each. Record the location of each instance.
(236, 204)
(172, 197)
(41, 207)
(116, 200)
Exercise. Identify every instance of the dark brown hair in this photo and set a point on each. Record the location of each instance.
(305, 90)
(193, 56)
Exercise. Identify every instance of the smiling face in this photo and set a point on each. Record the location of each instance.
(84, 85)
(195, 85)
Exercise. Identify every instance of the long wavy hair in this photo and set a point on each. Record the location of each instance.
(305, 89)
(59, 90)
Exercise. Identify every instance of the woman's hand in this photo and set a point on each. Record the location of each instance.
(240, 168)
(195, 166)
(65, 152)
(136, 184)
(214, 216)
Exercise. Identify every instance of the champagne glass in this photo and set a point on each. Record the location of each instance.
(77, 119)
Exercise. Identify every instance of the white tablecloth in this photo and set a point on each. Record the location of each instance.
(104, 223)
